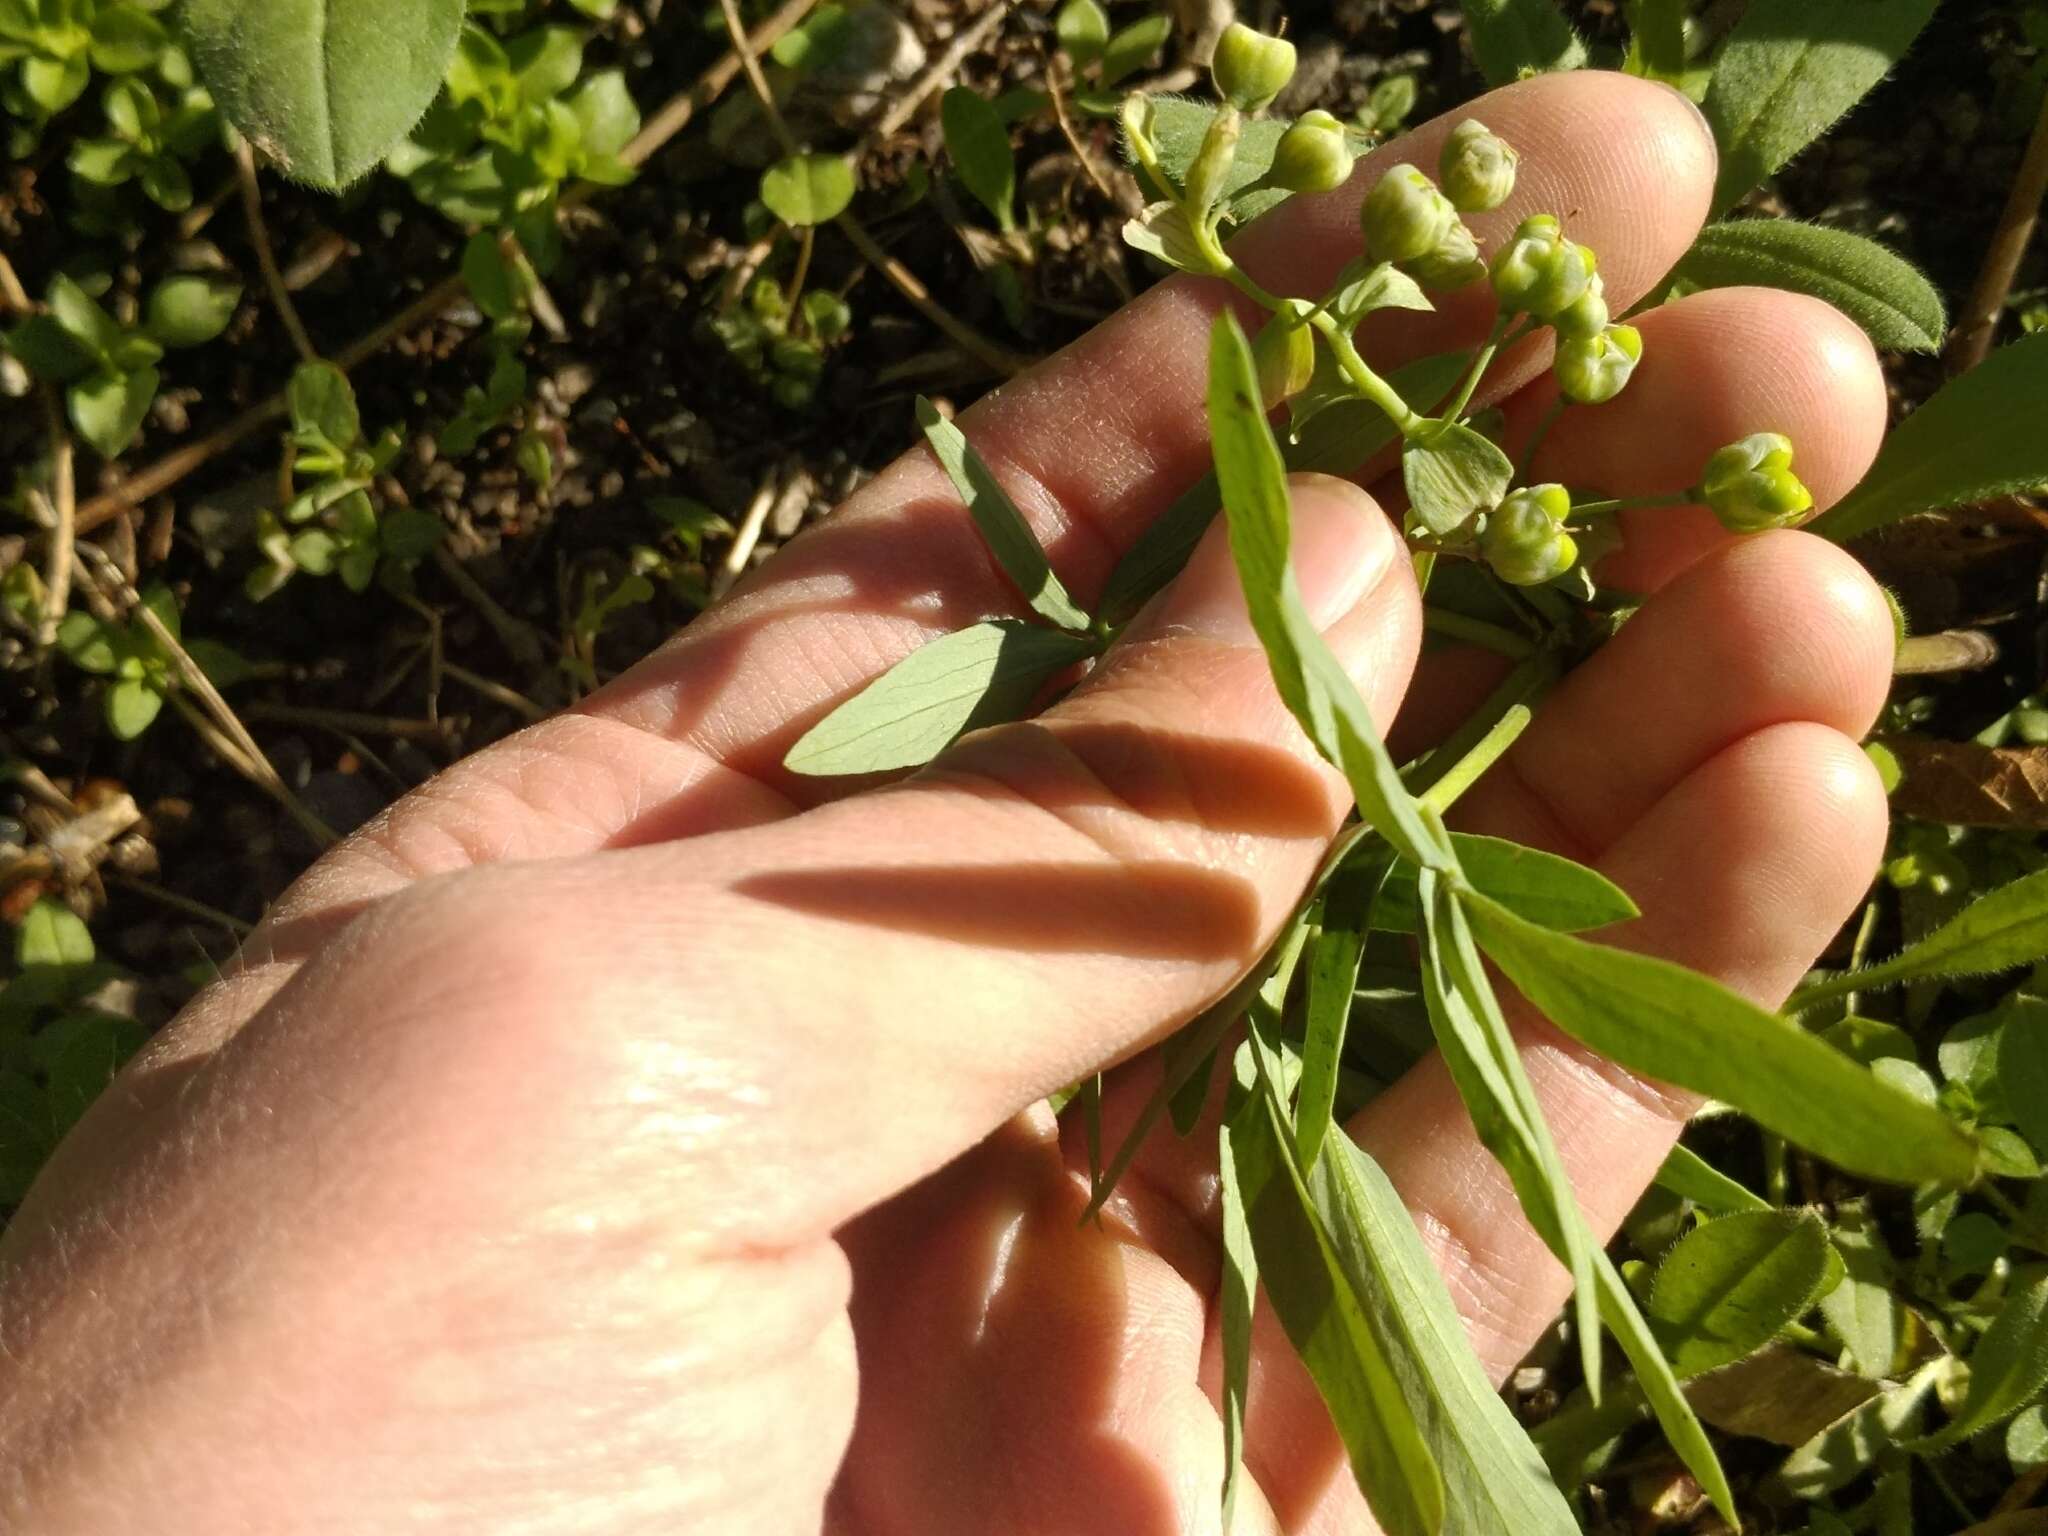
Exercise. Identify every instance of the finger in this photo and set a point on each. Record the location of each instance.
(1093, 444)
(1048, 897)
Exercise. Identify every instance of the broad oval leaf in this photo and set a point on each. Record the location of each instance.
(325, 88)
(808, 189)
(1731, 1284)
(1453, 473)
(1676, 1025)
(1002, 526)
(1129, 49)
(52, 934)
(108, 408)
(1864, 1310)
(2007, 927)
(1082, 27)
(2008, 1368)
(907, 716)
(1511, 37)
(132, 703)
(1789, 69)
(189, 309)
(979, 143)
(323, 401)
(1881, 291)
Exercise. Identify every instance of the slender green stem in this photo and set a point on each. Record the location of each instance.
(1470, 768)
(1521, 687)
(1478, 632)
(1481, 361)
(1859, 950)
(1543, 426)
(1628, 504)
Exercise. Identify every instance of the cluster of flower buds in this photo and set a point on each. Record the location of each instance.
(1477, 168)
(1750, 485)
(1542, 274)
(1524, 538)
(1415, 223)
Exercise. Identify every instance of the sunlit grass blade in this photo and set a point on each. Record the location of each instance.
(1009, 537)
(1332, 978)
(1680, 1027)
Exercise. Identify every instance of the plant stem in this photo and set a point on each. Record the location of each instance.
(1521, 687)
(1629, 504)
(1481, 361)
(1494, 637)
(1978, 323)
(266, 258)
(1543, 426)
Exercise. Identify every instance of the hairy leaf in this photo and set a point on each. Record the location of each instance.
(1676, 1025)
(1512, 38)
(1864, 1309)
(2001, 930)
(979, 143)
(1882, 292)
(325, 88)
(1789, 69)
(907, 716)
(1687, 1174)
(1002, 526)
(2008, 1368)
(1731, 1284)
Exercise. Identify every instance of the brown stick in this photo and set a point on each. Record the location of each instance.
(64, 494)
(1977, 327)
(266, 258)
(942, 69)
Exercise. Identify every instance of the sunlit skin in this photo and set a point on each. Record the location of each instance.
(622, 1134)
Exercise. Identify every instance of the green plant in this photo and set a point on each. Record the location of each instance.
(1103, 58)
(49, 49)
(107, 369)
(141, 672)
(333, 526)
(1306, 1215)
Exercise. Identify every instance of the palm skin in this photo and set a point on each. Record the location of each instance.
(622, 1134)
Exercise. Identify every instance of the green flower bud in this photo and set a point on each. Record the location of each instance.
(1285, 353)
(1212, 163)
(1477, 169)
(1587, 314)
(1312, 155)
(1539, 272)
(1405, 216)
(1525, 541)
(1592, 370)
(1751, 487)
(1250, 68)
(1454, 263)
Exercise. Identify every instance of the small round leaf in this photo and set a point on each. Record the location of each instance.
(189, 309)
(807, 189)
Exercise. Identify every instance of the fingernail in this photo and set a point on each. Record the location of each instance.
(1341, 546)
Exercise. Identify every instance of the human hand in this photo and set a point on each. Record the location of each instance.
(517, 1177)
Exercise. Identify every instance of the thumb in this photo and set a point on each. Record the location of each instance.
(1048, 897)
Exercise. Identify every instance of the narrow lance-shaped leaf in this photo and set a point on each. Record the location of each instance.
(1789, 69)
(1881, 291)
(2007, 927)
(2023, 1068)
(1510, 37)
(1487, 1069)
(1348, 902)
(2008, 1368)
(1546, 888)
(1239, 1290)
(976, 676)
(1676, 1025)
(1002, 526)
(325, 88)
(1329, 1328)
(1686, 1174)
(1494, 1480)
(1311, 681)
(1730, 1285)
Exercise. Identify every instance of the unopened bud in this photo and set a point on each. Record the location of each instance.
(1539, 272)
(1212, 163)
(1525, 541)
(1312, 155)
(1454, 263)
(1477, 168)
(1405, 216)
(1250, 68)
(1751, 487)
(1285, 353)
(1587, 314)
(1592, 370)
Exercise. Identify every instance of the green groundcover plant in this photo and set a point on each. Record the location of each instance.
(488, 113)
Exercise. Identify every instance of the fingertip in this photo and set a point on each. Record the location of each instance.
(1827, 606)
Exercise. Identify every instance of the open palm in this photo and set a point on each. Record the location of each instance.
(625, 1134)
